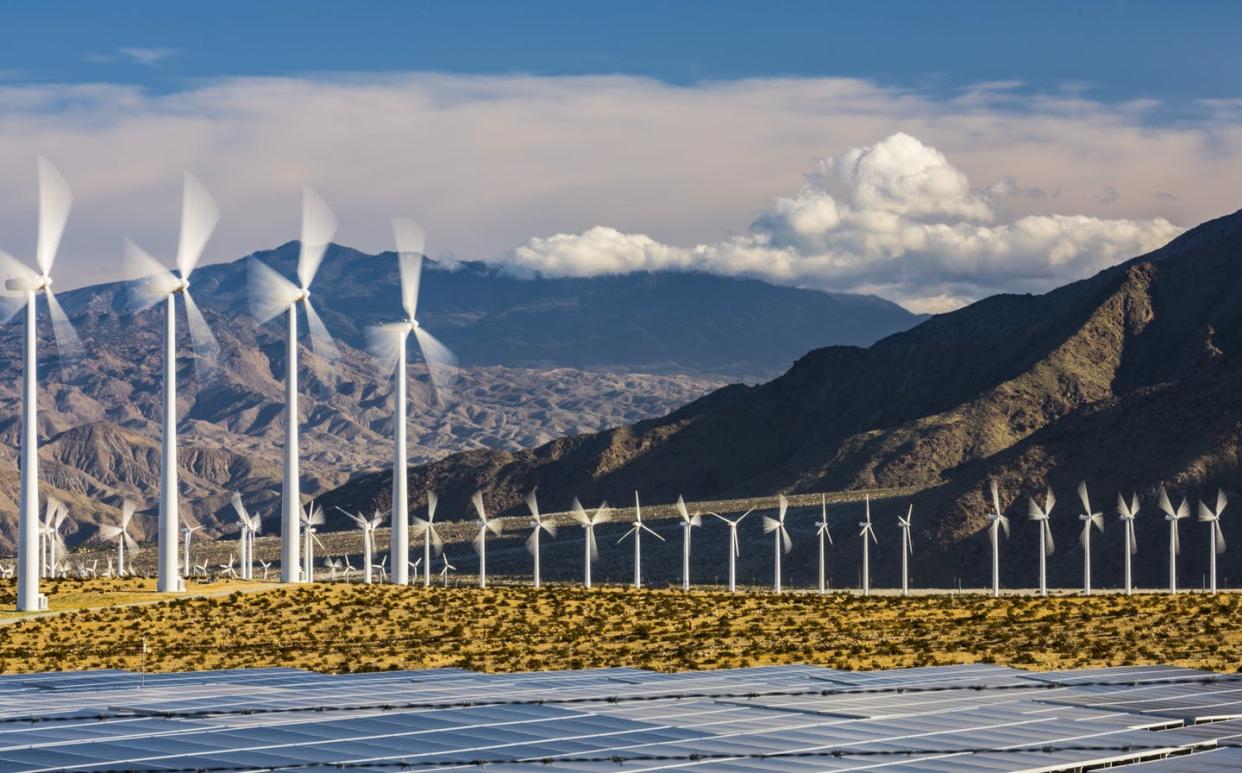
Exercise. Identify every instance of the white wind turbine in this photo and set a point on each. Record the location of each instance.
(907, 549)
(1127, 514)
(821, 530)
(270, 295)
(591, 551)
(780, 536)
(250, 526)
(996, 522)
(688, 522)
(1173, 516)
(636, 531)
(1088, 519)
(1040, 515)
(480, 541)
(120, 533)
(368, 526)
(866, 532)
(187, 531)
(444, 573)
(199, 216)
(735, 548)
(1217, 537)
(388, 344)
(538, 523)
(427, 528)
(57, 513)
(312, 517)
(22, 286)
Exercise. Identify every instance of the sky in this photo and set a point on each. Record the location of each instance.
(929, 153)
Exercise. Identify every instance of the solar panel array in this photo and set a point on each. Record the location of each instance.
(799, 718)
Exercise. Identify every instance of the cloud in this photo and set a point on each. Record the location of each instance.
(135, 55)
(893, 218)
(487, 162)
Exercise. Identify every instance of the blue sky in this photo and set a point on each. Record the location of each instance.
(929, 152)
(1116, 50)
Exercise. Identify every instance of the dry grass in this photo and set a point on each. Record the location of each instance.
(340, 627)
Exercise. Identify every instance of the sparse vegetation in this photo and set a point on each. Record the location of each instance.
(349, 627)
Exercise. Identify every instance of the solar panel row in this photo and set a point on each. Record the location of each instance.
(949, 718)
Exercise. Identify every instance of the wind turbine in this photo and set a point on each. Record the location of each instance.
(907, 549)
(187, 531)
(430, 536)
(735, 549)
(1127, 514)
(591, 551)
(250, 526)
(55, 518)
(121, 535)
(1040, 515)
(688, 522)
(539, 523)
(480, 541)
(997, 521)
(1088, 519)
(368, 526)
(271, 294)
(780, 536)
(1212, 516)
(1173, 516)
(821, 529)
(21, 281)
(388, 344)
(312, 516)
(637, 532)
(866, 532)
(444, 573)
(199, 216)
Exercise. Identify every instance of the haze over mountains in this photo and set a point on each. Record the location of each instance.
(543, 358)
(1126, 380)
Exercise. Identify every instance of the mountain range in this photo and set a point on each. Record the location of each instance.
(1128, 380)
(542, 359)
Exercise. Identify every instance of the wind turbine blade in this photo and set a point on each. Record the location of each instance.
(783, 507)
(1049, 546)
(1004, 522)
(127, 513)
(1082, 496)
(995, 495)
(55, 201)
(318, 228)
(321, 340)
(476, 499)
(238, 507)
(411, 243)
(1033, 510)
(785, 540)
(681, 508)
(548, 525)
(1177, 545)
(627, 534)
(602, 514)
(151, 281)
(1204, 513)
(11, 303)
(530, 541)
(769, 523)
(199, 215)
(432, 501)
(1219, 537)
(1122, 507)
(1134, 503)
(1133, 540)
(1221, 501)
(68, 345)
(441, 362)
(269, 293)
(1082, 537)
(206, 347)
(385, 343)
(652, 532)
(579, 513)
(532, 504)
(1164, 502)
(593, 545)
(743, 515)
(1049, 501)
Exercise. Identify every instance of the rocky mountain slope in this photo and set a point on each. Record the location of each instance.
(543, 359)
(1127, 380)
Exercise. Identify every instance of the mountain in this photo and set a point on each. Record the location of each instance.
(1127, 380)
(543, 359)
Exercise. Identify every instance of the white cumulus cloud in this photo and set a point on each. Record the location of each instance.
(895, 218)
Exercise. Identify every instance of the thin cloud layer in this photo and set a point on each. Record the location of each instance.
(894, 218)
(486, 162)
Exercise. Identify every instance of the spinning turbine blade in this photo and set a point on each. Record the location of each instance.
(68, 345)
(269, 292)
(441, 362)
(321, 340)
(1049, 547)
(55, 200)
(995, 496)
(151, 282)
(205, 344)
(385, 343)
(411, 242)
(318, 228)
(199, 215)
(1082, 496)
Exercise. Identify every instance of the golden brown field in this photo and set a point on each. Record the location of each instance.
(348, 627)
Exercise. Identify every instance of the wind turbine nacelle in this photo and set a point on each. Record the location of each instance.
(26, 284)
